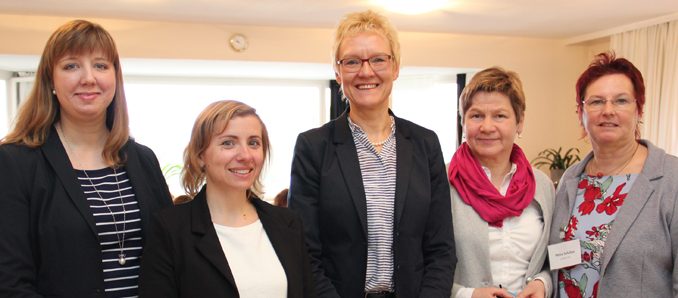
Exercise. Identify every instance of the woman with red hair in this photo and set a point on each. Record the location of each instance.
(620, 201)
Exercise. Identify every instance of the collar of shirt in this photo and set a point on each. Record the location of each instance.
(507, 178)
(356, 129)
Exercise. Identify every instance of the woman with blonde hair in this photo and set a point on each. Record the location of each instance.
(225, 241)
(370, 186)
(76, 191)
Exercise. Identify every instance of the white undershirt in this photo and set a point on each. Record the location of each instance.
(252, 260)
(511, 247)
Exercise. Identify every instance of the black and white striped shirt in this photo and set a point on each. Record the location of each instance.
(112, 188)
(378, 171)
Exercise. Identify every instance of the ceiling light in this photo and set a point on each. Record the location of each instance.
(411, 7)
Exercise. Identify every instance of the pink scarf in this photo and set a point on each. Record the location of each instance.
(476, 190)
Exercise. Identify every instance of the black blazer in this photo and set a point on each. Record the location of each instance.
(184, 257)
(327, 191)
(48, 242)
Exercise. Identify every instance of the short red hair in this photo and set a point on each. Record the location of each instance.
(607, 63)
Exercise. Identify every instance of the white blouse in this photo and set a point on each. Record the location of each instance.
(253, 262)
(512, 245)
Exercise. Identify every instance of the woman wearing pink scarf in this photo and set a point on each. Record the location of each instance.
(501, 206)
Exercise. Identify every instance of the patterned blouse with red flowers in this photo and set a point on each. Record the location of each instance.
(597, 203)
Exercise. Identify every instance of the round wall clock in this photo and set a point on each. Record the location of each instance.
(238, 42)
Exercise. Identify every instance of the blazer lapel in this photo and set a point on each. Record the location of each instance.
(138, 180)
(404, 155)
(347, 157)
(640, 193)
(58, 158)
(277, 232)
(569, 185)
(208, 242)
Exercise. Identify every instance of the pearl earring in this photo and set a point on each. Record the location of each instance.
(53, 91)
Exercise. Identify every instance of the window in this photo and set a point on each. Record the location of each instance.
(432, 103)
(162, 116)
(165, 96)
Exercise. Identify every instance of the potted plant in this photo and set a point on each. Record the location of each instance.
(557, 161)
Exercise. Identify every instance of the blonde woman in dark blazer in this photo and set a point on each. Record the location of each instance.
(501, 206)
(370, 186)
(225, 241)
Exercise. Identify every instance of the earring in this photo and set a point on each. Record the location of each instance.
(53, 91)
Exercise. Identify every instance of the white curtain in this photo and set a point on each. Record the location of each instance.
(654, 51)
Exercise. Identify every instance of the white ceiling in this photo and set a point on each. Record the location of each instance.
(561, 19)
(532, 18)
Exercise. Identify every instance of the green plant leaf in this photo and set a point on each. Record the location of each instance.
(170, 170)
(556, 159)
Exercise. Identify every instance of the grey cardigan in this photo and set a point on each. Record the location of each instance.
(641, 251)
(471, 237)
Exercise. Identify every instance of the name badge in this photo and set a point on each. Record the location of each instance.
(564, 254)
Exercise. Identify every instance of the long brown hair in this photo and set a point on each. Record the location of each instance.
(41, 109)
(213, 120)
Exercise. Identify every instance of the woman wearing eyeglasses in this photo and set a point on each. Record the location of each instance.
(618, 204)
(371, 187)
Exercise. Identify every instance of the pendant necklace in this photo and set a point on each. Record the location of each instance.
(121, 240)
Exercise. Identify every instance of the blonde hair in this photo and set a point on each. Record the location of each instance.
(495, 79)
(366, 21)
(41, 109)
(213, 120)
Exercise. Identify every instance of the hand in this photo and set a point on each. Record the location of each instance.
(490, 293)
(533, 289)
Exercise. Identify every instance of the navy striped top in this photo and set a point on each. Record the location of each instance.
(115, 209)
(378, 171)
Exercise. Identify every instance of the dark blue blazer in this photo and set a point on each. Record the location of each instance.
(327, 191)
(48, 241)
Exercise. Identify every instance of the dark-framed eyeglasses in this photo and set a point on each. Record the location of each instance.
(353, 64)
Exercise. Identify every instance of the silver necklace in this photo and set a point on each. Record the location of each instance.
(121, 240)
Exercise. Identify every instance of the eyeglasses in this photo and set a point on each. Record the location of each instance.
(353, 64)
(595, 104)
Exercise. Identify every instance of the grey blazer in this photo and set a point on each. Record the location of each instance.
(471, 236)
(641, 251)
